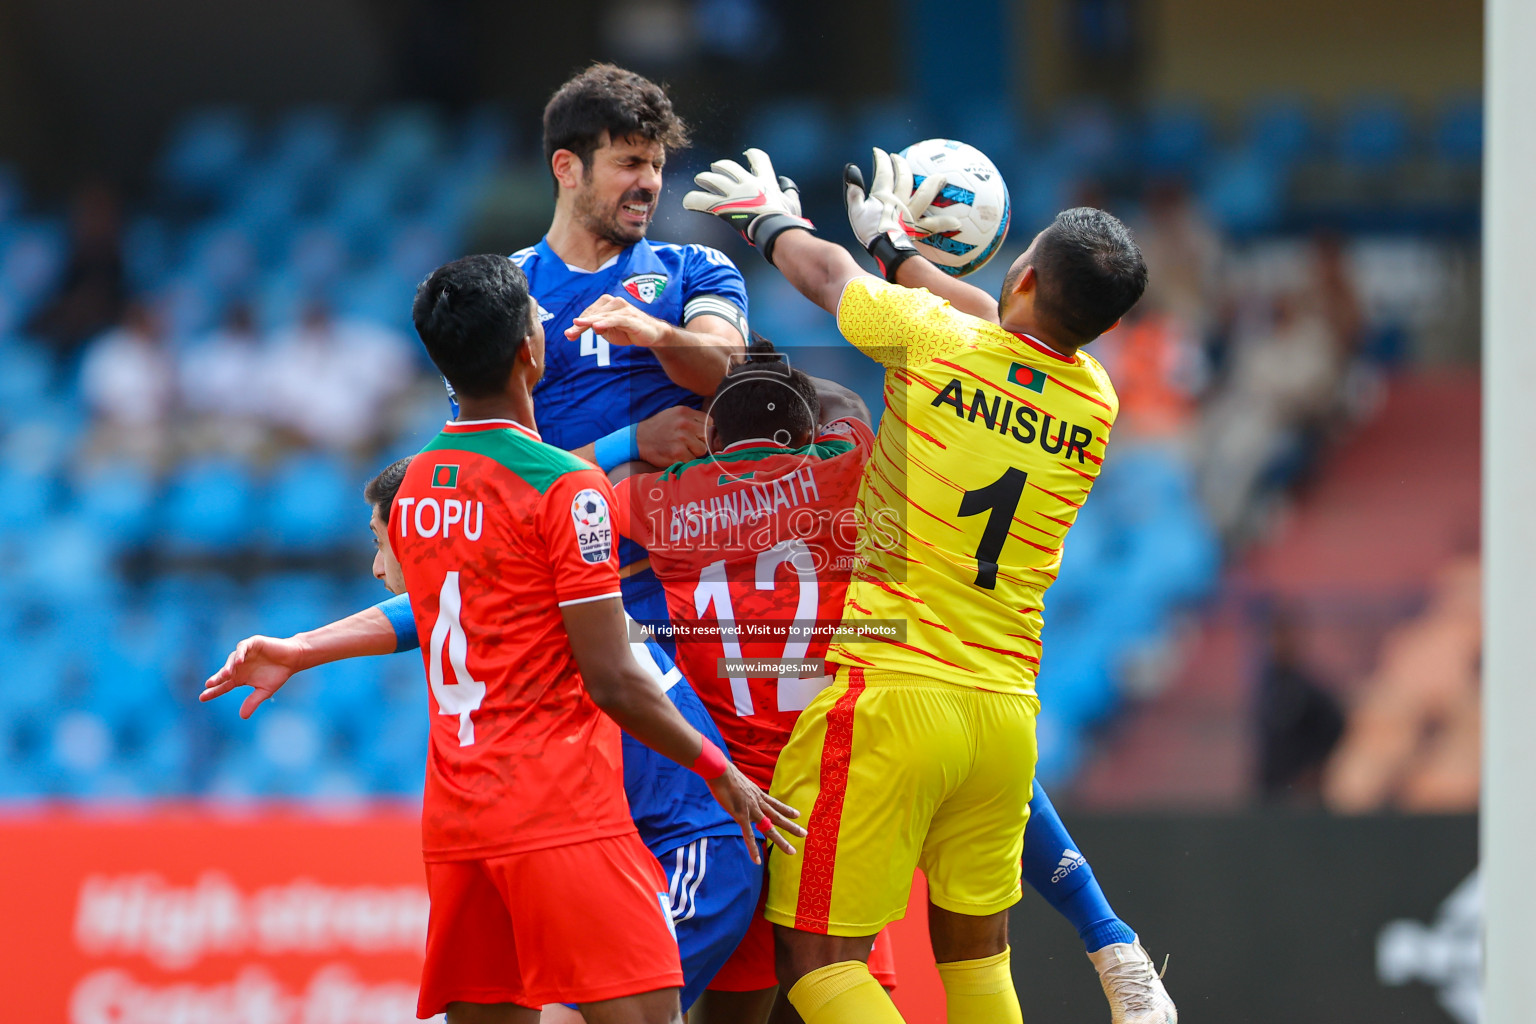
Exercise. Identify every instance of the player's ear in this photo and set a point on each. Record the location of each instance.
(567, 168)
(1027, 280)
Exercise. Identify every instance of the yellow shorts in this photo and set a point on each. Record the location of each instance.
(895, 772)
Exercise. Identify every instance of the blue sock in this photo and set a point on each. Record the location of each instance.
(1057, 871)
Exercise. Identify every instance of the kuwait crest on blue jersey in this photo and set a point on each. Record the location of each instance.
(646, 287)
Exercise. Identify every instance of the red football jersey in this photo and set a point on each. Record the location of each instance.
(754, 546)
(495, 531)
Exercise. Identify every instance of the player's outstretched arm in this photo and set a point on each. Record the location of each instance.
(265, 663)
(621, 688)
(765, 209)
(887, 215)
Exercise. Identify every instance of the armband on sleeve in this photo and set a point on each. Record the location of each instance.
(398, 611)
(716, 305)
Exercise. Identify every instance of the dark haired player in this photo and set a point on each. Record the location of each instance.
(921, 752)
(541, 890)
(752, 539)
(657, 326)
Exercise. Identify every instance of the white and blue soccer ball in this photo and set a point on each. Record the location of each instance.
(974, 192)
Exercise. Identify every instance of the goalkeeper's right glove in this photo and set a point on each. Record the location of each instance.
(755, 202)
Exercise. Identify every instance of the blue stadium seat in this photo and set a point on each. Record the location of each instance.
(1458, 133)
(1373, 134)
(1059, 745)
(309, 140)
(206, 152)
(890, 124)
(1244, 192)
(1176, 139)
(1280, 131)
(33, 258)
(25, 376)
(221, 256)
(799, 134)
(485, 140)
(209, 506)
(147, 251)
(317, 257)
(312, 505)
(66, 559)
(405, 139)
(118, 501)
(1090, 138)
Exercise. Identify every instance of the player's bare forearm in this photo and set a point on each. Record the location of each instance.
(967, 298)
(362, 634)
(697, 357)
(818, 269)
(265, 663)
(620, 687)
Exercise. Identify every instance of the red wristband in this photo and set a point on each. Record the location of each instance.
(711, 762)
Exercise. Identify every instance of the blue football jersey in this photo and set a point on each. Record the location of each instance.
(591, 388)
(670, 804)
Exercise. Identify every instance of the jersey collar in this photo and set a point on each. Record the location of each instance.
(476, 426)
(1044, 349)
(754, 442)
(544, 249)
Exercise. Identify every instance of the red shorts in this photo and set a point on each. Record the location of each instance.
(568, 924)
(750, 968)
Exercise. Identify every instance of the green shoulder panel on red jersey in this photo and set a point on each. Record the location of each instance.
(824, 450)
(538, 464)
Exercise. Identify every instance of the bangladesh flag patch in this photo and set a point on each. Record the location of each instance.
(646, 287)
(1028, 378)
(446, 477)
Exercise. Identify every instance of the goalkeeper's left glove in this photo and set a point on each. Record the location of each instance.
(755, 202)
(887, 217)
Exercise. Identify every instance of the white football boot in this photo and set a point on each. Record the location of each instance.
(1132, 985)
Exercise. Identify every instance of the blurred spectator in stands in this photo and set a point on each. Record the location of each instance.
(329, 382)
(92, 291)
(1299, 720)
(128, 381)
(1184, 255)
(1159, 369)
(220, 386)
(1282, 383)
(1414, 736)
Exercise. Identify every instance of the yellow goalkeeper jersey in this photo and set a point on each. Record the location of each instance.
(989, 445)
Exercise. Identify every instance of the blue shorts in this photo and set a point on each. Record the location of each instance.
(714, 888)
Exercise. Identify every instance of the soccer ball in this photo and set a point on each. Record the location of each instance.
(974, 192)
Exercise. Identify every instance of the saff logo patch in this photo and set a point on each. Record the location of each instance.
(646, 287)
(1028, 378)
(445, 477)
(594, 526)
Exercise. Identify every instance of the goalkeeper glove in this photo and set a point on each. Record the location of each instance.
(885, 218)
(755, 202)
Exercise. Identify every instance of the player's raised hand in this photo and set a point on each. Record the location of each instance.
(879, 221)
(752, 808)
(920, 213)
(619, 323)
(756, 202)
(672, 435)
(264, 663)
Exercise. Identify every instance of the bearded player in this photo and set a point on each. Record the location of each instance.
(921, 751)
